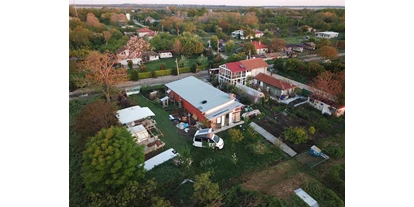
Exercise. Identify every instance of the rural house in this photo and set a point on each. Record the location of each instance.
(261, 48)
(277, 89)
(327, 34)
(143, 31)
(150, 56)
(240, 34)
(237, 72)
(205, 102)
(150, 19)
(165, 54)
(122, 53)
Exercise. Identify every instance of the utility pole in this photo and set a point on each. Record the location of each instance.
(178, 70)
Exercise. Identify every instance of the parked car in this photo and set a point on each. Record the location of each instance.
(206, 138)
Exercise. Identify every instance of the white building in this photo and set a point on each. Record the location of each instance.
(327, 34)
(237, 72)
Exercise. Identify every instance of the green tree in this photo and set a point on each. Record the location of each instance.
(134, 75)
(162, 41)
(111, 160)
(201, 60)
(183, 62)
(249, 49)
(193, 68)
(79, 38)
(229, 47)
(214, 42)
(297, 135)
(323, 42)
(133, 195)
(130, 64)
(328, 52)
(205, 191)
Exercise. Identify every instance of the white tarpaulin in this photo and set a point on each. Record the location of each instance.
(139, 132)
(133, 113)
(160, 158)
(306, 197)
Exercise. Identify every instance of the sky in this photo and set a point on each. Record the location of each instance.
(222, 2)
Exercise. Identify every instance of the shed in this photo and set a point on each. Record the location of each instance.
(164, 101)
(133, 113)
(253, 94)
(306, 197)
(139, 132)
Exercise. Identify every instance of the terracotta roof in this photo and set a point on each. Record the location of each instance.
(254, 63)
(121, 49)
(246, 65)
(235, 67)
(151, 34)
(273, 81)
(258, 45)
(145, 29)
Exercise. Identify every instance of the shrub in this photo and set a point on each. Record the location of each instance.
(134, 75)
(185, 70)
(130, 64)
(236, 135)
(174, 70)
(162, 66)
(335, 151)
(143, 68)
(312, 130)
(297, 135)
(205, 191)
(144, 75)
(154, 74)
(193, 68)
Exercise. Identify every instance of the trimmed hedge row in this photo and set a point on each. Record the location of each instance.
(159, 73)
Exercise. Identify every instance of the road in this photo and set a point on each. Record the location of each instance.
(315, 57)
(139, 24)
(144, 82)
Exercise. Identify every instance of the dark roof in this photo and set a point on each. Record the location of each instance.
(121, 49)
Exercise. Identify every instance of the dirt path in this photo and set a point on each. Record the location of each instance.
(280, 181)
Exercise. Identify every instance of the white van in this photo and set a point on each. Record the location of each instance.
(206, 138)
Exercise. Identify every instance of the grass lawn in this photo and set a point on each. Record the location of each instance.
(219, 162)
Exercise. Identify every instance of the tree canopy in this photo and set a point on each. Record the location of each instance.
(100, 71)
(111, 160)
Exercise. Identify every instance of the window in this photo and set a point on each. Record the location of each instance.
(218, 120)
(197, 139)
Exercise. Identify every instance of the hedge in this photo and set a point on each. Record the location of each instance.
(159, 73)
(185, 70)
(163, 72)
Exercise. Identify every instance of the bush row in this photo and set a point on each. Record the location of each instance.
(135, 75)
